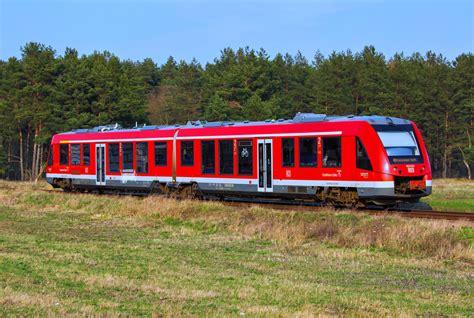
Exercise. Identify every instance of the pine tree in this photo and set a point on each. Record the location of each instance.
(256, 109)
(217, 110)
(463, 112)
(371, 91)
(179, 97)
(39, 70)
(332, 84)
(13, 117)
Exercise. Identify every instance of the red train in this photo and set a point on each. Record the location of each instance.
(341, 160)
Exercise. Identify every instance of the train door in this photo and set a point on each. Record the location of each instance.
(100, 164)
(265, 165)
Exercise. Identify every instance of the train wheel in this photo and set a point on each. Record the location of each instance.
(340, 198)
(155, 189)
(196, 191)
(65, 184)
(190, 192)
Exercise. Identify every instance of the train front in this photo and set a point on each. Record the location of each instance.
(404, 163)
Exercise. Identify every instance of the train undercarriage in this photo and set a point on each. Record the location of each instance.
(338, 197)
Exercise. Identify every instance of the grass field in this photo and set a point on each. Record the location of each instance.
(452, 195)
(107, 255)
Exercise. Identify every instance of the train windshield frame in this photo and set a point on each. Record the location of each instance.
(400, 143)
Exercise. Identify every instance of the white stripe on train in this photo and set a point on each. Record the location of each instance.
(277, 182)
(315, 134)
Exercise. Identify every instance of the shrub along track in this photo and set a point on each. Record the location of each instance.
(314, 206)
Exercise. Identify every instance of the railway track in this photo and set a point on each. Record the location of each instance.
(469, 216)
(314, 206)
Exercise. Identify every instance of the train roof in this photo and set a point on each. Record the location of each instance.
(297, 119)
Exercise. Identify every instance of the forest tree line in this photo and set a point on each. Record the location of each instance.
(43, 93)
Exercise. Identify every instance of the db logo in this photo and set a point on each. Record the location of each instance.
(411, 170)
(288, 173)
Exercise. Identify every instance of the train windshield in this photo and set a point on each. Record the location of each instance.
(400, 143)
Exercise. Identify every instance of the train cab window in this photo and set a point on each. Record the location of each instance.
(50, 156)
(226, 157)
(187, 153)
(75, 154)
(86, 154)
(113, 156)
(142, 157)
(362, 159)
(288, 152)
(308, 154)
(245, 157)
(208, 157)
(160, 153)
(64, 154)
(127, 156)
(332, 152)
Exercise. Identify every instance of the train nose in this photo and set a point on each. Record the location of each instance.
(411, 179)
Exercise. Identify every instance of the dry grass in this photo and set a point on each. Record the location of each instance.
(108, 255)
(430, 238)
(146, 287)
(8, 297)
(292, 229)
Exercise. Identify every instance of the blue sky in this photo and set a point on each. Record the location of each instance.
(201, 29)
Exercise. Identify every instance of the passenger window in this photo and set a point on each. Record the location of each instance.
(332, 152)
(160, 154)
(308, 154)
(127, 156)
(64, 154)
(226, 157)
(288, 152)
(86, 154)
(76, 154)
(113, 155)
(208, 157)
(142, 157)
(50, 156)
(187, 153)
(245, 157)
(362, 159)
